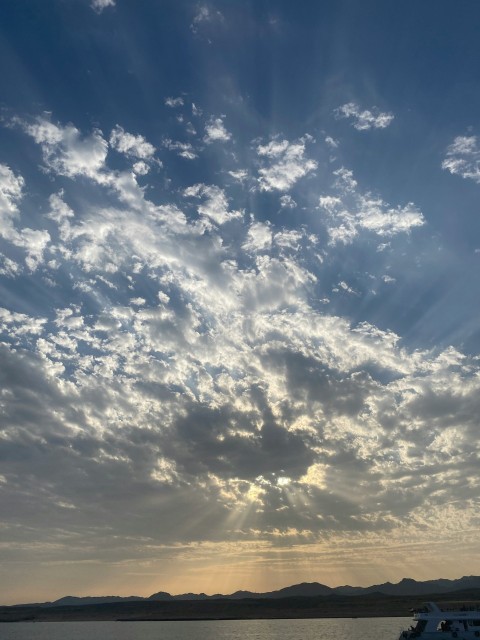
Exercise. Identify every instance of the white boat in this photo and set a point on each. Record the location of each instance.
(434, 622)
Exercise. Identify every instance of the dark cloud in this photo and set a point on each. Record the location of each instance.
(230, 445)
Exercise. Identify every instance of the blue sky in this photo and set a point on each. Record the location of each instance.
(239, 255)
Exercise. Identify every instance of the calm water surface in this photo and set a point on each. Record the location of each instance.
(338, 629)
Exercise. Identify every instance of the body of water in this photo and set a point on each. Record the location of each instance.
(319, 629)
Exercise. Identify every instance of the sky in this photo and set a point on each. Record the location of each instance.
(239, 294)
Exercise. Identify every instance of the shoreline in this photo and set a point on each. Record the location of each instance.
(319, 607)
(232, 619)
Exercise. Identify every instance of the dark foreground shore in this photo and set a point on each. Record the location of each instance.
(372, 605)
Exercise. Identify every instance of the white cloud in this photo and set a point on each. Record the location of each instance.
(32, 241)
(215, 131)
(11, 188)
(288, 164)
(241, 175)
(174, 102)
(344, 287)
(276, 283)
(66, 152)
(190, 129)
(345, 181)
(331, 142)
(59, 210)
(364, 120)
(259, 237)
(289, 239)
(100, 5)
(131, 145)
(388, 279)
(287, 202)
(353, 212)
(183, 149)
(330, 203)
(139, 302)
(19, 324)
(69, 318)
(141, 168)
(376, 215)
(215, 205)
(8, 267)
(61, 213)
(463, 158)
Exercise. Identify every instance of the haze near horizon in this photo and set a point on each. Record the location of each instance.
(239, 294)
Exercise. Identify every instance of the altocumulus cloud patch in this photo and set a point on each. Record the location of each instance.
(227, 373)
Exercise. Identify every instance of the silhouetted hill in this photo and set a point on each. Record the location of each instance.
(74, 600)
(410, 587)
(304, 589)
(327, 606)
(406, 587)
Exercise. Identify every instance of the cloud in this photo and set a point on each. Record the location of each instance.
(287, 202)
(100, 5)
(345, 182)
(364, 120)
(344, 287)
(287, 164)
(191, 366)
(204, 16)
(65, 151)
(352, 212)
(388, 279)
(463, 158)
(329, 203)
(11, 188)
(375, 215)
(8, 267)
(32, 241)
(215, 131)
(259, 237)
(183, 149)
(331, 142)
(142, 168)
(20, 324)
(130, 145)
(215, 205)
(240, 175)
(174, 102)
(289, 239)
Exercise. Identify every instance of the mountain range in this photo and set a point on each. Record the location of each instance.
(406, 587)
